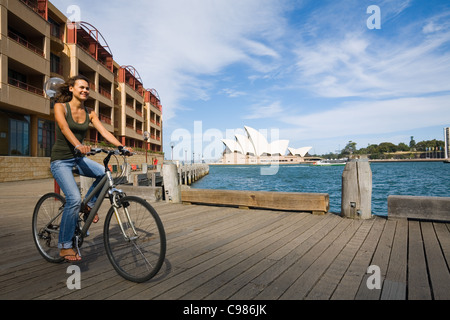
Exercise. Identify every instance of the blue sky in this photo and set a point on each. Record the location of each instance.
(308, 71)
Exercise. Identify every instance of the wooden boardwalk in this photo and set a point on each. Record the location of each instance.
(228, 253)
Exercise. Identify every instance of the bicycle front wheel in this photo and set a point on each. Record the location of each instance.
(46, 220)
(135, 240)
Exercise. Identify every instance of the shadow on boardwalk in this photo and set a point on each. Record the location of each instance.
(228, 253)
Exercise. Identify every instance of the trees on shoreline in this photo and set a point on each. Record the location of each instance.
(387, 150)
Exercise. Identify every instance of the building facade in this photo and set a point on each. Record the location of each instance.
(447, 142)
(36, 44)
(253, 148)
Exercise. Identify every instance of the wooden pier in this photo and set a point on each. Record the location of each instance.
(228, 253)
(189, 173)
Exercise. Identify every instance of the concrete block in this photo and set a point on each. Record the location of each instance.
(151, 194)
(422, 208)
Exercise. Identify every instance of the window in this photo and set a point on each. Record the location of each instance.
(46, 137)
(19, 136)
(55, 64)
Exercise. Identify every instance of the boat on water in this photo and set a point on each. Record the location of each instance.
(335, 162)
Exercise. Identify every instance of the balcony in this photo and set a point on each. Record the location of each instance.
(25, 86)
(105, 92)
(130, 76)
(56, 36)
(13, 36)
(38, 6)
(152, 97)
(90, 40)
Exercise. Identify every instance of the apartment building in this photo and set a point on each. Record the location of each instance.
(447, 142)
(37, 43)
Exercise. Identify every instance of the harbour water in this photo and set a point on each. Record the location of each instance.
(388, 178)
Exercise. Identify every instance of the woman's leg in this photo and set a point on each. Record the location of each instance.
(62, 172)
(91, 169)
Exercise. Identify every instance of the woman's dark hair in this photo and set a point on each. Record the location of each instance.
(64, 95)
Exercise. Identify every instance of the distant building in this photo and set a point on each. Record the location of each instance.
(447, 142)
(254, 148)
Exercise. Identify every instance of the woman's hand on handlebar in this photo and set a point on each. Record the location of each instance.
(83, 149)
(127, 151)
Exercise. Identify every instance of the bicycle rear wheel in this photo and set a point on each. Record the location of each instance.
(46, 220)
(137, 249)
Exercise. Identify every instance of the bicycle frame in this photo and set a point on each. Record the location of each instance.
(105, 186)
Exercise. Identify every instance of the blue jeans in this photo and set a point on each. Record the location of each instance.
(63, 174)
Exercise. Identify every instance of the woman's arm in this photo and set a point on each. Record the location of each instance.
(102, 130)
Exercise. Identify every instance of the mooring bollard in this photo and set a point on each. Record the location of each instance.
(171, 186)
(356, 202)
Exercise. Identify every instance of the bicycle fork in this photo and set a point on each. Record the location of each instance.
(116, 205)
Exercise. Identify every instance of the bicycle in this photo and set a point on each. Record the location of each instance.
(134, 241)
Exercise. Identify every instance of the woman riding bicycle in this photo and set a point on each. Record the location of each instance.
(73, 119)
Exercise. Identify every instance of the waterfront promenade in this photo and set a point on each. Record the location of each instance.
(229, 253)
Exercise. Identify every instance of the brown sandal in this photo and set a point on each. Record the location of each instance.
(70, 257)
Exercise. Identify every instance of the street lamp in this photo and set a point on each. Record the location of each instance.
(171, 146)
(51, 88)
(146, 137)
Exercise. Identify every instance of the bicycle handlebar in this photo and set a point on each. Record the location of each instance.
(122, 151)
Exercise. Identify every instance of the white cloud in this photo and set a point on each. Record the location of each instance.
(353, 66)
(265, 111)
(174, 43)
(232, 93)
(370, 117)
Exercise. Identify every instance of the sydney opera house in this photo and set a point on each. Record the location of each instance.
(253, 148)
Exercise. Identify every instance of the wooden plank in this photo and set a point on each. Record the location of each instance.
(283, 259)
(418, 282)
(329, 281)
(307, 202)
(380, 259)
(228, 283)
(443, 235)
(301, 287)
(438, 269)
(242, 251)
(284, 280)
(394, 285)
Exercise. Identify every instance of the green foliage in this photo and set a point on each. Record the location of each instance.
(388, 150)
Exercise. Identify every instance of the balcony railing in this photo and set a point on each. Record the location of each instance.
(34, 5)
(105, 92)
(25, 43)
(25, 86)
(105, 119)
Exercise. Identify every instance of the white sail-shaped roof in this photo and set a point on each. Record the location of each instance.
(258, 140)
(232, 145)
(278, 147)
(300, 151)
(245, 144)
(256, 144)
